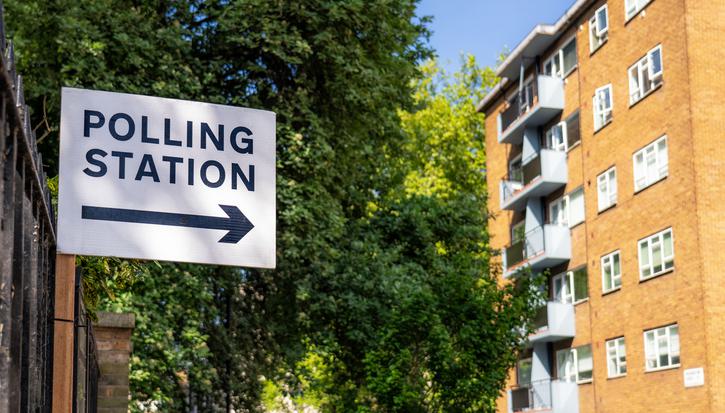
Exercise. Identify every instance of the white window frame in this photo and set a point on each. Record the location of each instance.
(563, 217)
(556, 60)
(616, 357)
(670, 335)
(644, 177)
(550, 134)
(639, 88)
(650, 243)
(633, 7)
(602, 110)
(607, 189)
(565, 293)
(598, 36)
(607, 261)
(571, 364)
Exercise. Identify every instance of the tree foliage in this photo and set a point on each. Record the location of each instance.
(384, 298)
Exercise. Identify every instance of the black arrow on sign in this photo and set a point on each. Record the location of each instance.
(237, 224)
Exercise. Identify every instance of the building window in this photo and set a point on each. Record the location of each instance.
(563, 61)
(571, 287)
(518, 232)
(602, 106)
(572, 130)
(662, 348)
(516, 171)
(556, 137)
(568, 210)
(523, 372)
(607, 189)
(656, 254)
(650, 164)
(632, 7)
(645, 75)
(598, 28)
(611, 272)
(616, 358)
(575, 364)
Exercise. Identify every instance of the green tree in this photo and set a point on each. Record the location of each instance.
(415, 319)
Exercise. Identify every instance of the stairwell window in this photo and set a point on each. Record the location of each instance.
(656, 254)
(645, 75)
(650, 164)
(602, 106)
(611, 272)
(616, 358)
(563, 61)
(575, 364)
(598, 28)
(607, 189)
(662, 348)
(632, 7)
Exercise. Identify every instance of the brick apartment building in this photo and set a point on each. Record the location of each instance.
(606, 169)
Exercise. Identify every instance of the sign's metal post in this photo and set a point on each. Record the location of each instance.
(63, 329)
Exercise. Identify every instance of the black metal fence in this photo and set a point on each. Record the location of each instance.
(27, 254)
(27, 265)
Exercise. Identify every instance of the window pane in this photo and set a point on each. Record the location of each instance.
(644, 258)
(581, 287)
(615, 261)
(584, 362)
(667, 243)
(569, 52)
(524, 372)
(564, 363)
(656, 255)
(576, 207)
(675, 343)
(572, 130)
(656, 61)
(602, 19)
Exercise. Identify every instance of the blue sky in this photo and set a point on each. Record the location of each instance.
(484, 27)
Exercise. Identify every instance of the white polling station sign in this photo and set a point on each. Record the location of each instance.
(155, 178)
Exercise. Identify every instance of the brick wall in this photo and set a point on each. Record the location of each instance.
(113, 342)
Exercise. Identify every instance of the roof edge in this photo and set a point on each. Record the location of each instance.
(538, 30)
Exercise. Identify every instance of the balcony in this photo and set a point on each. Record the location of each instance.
(554, 322)
(541, 176)
(542, 247)
(538, 102)
(544, 395)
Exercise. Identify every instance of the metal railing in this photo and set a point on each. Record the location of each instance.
(517, 179)
(522, 102)
(27, 253)
(27, 263)
(86, 369)
(536, 395)
(530, 245)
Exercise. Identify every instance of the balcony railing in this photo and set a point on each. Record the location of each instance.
(555, 321)
(545, 395)
(532, 396)
(540, 176)
(541, 247)
(534, 105)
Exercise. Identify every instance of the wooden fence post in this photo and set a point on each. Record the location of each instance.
(64, 329)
